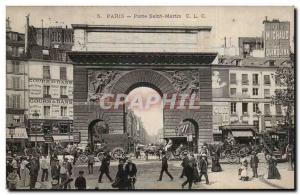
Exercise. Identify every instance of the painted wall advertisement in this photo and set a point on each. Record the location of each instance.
(59, 103)
(221, 113)
(38, 104)
(277, 39)
(36, 87)
(220, 83)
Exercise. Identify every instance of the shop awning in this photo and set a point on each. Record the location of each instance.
(62, 138)
(238, 126)
(38, 139)
(242, 133)
(20, 133)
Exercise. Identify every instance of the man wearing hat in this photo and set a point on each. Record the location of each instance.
(164, 167)
(104, 168)
(130, 170)
(80, 182)
(185, 162)
(55, 170)
(254, 163)
(203, 167)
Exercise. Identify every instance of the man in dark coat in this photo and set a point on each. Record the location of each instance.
(130, 170)
(104, 168)
(254, 163)
(203, 167)
(189, 172)
(121, 175)
(185, 162)
(33, 167)
(80, 182)
(55, 170)
(164, 167)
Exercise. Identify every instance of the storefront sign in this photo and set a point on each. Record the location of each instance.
(48, 139)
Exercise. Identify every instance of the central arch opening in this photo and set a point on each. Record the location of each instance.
(144, 115)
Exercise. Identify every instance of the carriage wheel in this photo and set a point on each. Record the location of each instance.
(83, 158)
(118, 153)
(100, 156)
(232, 158)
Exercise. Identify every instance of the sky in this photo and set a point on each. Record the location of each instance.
(229, 22)
(232, 22)
(151, 117)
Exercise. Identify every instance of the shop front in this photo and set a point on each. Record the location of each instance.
(16, 138)
(239, 133)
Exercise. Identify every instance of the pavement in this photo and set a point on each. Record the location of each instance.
(148, 173)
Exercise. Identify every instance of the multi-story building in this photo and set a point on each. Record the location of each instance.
(50, 84)
(16, 85)
(245, 101)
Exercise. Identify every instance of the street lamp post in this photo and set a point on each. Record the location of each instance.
(35, 115)
(12, 129)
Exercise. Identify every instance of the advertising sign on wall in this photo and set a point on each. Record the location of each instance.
(277, 39)
(220, 83)
(221, 113)
(36, 88)
(38, 104)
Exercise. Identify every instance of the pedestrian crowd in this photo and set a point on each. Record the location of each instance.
(24, 171)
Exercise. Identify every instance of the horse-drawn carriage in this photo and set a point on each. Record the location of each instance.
(232, 152)
(114, 144)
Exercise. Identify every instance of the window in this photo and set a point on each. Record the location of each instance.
(277, 80)
(16, 67)
(63, 92)
(244, 79)
(245, 91)
(63, 111)
(8, 102)
(255, 107)
(46, 72)
(278, 109)
(267, 109)
(16, 119)
(255, 79)
(20, 51)
(255, 91)
(267, 93)
(233, 91)
(63, 73)
(15, 52)
(16, 83)
(245, 108)
(46, 110)
(16, 101)
(232, 78)
(233, 108)
(267, 80)
(46, 92)
(271, 63)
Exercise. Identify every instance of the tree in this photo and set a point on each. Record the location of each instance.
(285, 95)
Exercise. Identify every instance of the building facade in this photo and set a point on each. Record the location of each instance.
(16, 87)
(247, 101)
(50, 84)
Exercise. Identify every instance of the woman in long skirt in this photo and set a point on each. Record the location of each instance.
(273, 172)
(24, 173)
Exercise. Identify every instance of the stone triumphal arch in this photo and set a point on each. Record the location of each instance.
(117, 59)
